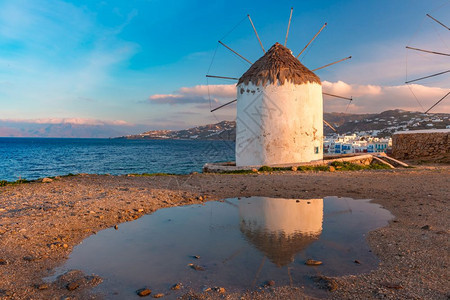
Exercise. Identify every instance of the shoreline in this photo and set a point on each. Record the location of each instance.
(40, 223)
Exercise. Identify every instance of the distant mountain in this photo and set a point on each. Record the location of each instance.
(225, 130)
(382, 125)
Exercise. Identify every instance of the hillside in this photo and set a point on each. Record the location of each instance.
(382, 125)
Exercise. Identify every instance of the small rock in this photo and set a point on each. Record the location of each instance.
(196, 256)
(200, 198)
(196, 267)
(143, 292)
(298, 201)
(3, 262)
(29, 258)
(357, 262)
(140, 210)
(93, 280)
(42, 286)
(294, 169)
(325, 282)
(2, 209)
(426, 227)
(254, 170)
(72, 286)
(47, 180)
(312, 262)
(116, 227)
(332, 169)
(392, 285)
(269, 283)
(220, 290)
(160, 295)
(206, 289)
(176, 286)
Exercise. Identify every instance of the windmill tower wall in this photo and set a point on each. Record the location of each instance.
(279, 112)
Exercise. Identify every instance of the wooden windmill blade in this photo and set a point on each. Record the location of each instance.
(433, 52)
(437, 21)
(437, 103)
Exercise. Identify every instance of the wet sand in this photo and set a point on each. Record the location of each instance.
(40, 223)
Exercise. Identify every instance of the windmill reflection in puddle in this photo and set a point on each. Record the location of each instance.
(281, 228)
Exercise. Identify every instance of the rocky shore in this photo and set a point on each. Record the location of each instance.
(40, 223)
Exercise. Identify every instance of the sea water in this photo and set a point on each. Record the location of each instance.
(33, 158)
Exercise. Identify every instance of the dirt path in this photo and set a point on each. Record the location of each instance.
(40, 223)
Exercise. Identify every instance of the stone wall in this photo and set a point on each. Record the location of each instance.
(420, 143)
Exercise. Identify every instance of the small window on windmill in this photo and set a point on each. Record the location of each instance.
(316, 150)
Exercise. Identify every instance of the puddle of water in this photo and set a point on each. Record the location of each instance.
(242, 243)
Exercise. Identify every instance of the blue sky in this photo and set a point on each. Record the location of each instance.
(144, 62)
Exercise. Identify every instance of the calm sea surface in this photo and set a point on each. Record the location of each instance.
(32, 158)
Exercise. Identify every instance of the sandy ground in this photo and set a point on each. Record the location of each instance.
(40, 223)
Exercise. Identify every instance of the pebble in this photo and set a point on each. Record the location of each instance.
(160, 295)
(176, 286)
(269, 283)
(3, 262)
(220, 290)
(357, 262)
(426, 227)
(312, 262)
(72, 286)
(29, 258)
(196, 267)
(47, 180)
(254, 170)
(196, 256)
(392, 285)
(143, 292)
(42, 286)
(116, 227)
(326, 282)
(294, 169)
(332, 169)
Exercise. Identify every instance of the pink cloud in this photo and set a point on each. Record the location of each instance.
(73, 121)
(377, 98)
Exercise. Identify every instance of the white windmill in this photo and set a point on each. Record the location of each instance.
(279, 108)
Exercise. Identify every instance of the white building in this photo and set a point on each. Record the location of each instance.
(344, 144)
(279, 112)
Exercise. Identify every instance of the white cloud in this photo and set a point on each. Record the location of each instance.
(216, 91)
(197, 94)
(368, 98)
(176, 99)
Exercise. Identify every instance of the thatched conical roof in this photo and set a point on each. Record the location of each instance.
(280, 248)
(278, 64)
